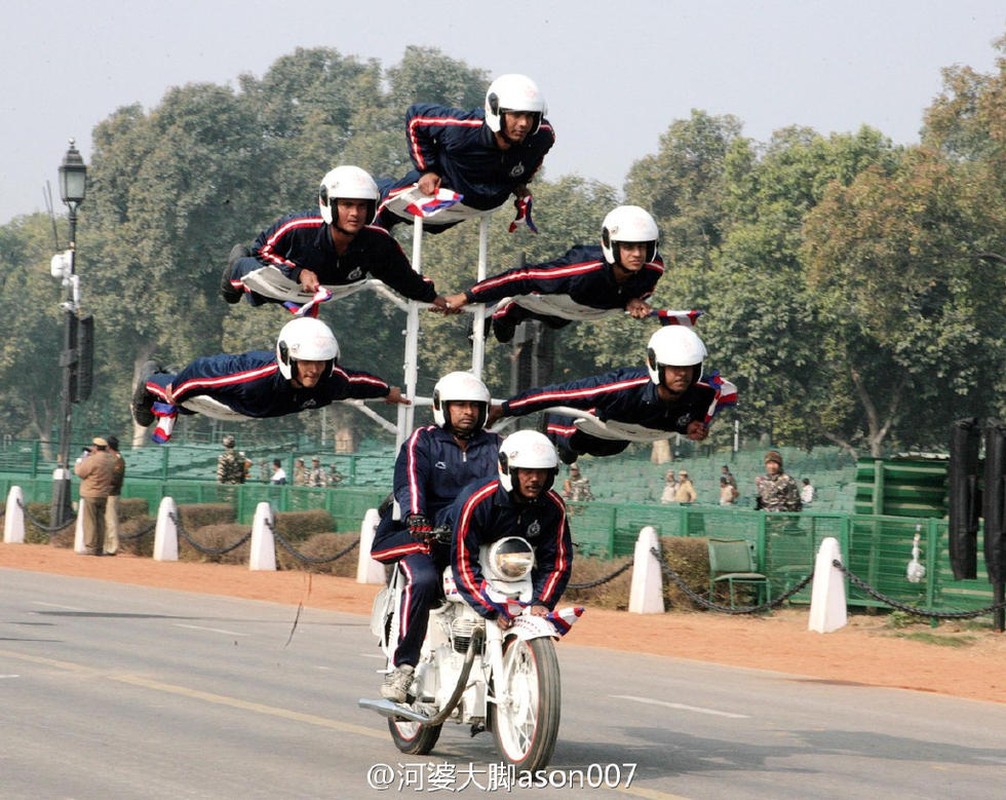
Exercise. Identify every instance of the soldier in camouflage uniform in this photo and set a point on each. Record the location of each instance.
(230, 466)
(776, 490)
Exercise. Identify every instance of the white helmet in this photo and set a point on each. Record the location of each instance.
(514, 93)
(530, 450)
(456, 387)
(305, 339)
(674, 346)
(628, 224)
(348, 183)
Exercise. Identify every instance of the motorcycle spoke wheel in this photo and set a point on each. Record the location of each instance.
(527, 708)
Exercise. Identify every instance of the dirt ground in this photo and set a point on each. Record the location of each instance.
(961, 659)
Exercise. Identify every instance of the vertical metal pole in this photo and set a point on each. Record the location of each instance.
(60, 511)
(407, 414)
(479, 312)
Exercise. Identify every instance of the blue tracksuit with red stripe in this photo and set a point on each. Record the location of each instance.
(582, 274)
(484, 513)
(626, 395)
(250, 384)
(430, 471)
(302, 241)
(460, 147)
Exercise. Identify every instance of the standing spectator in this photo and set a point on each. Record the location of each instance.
(300, 473)
(111, 546)
(316, 477)
(334, 477)
(777, 491)
(728, 493)
(97, 474)
(576, 487)
(485, 155)
(670, 487)
(685, 491)
(278, 473)
(808, 494)
(230, 464)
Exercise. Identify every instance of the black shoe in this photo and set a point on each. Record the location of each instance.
(504, 330)
(142, 399)
(567, 455)
(227, 290)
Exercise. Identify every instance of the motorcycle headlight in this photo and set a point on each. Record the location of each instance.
(511, 558)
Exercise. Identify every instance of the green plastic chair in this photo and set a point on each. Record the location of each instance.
(732, 561)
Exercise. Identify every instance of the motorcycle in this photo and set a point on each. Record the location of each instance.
(471, 671)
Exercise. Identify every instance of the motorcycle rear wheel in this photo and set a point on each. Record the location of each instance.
(525, 718)
(411, 738)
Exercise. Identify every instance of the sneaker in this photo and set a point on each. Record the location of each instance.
(142, 399)
(397, 683)
(227, 290)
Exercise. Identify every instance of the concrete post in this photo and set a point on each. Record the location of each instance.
(13, 521)
(263, 543)
(166, 531)
(367, 569)
(827, 601)
(646, 595)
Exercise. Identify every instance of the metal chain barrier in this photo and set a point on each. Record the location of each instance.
(311, 559)
(601, 581)
(704, 602)
(210, 551)
(919, 612)
(128, 537)
(45, 527)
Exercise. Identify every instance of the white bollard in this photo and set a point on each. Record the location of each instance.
(13, 521)
(166, 531)
(263, 543)
(78, 531)
(646, 595)
(827, 600)
(369, 570)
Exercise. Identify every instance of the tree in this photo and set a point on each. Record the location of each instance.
(910, 323)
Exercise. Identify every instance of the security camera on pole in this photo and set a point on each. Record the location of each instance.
(72, 188)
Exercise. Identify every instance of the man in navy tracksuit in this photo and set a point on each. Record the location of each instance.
(520, 501)
(668, 394)
(434, 464)
(486, 154)
(337, 249)
(302, 374)
(588, 282)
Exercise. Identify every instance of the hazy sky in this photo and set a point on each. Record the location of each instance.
(616, 74)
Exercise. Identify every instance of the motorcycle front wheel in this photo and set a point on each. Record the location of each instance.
(411, 738)
(525, 716)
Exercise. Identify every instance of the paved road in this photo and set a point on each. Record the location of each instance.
(115, 691)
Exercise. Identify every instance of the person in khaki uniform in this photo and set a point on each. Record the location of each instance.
(97, 474)
(112, 506)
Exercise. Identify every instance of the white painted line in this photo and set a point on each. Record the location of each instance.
(10, 676)
(56, 605)
(211, 630)
(379, 656)
(679, 706)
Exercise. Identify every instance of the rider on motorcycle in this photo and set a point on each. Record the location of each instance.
(433, 466)
(518, 502)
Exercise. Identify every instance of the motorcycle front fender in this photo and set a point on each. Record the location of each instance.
(527, 627)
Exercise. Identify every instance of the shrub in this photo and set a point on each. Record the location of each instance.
(216, 538)
(197, 515)
(321, 547)
(295, 526)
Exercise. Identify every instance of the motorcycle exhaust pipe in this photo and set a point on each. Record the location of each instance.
(388, 708)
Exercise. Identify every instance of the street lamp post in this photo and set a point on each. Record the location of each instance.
(72, 188)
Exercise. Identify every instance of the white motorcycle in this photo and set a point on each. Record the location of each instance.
(474, 673)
